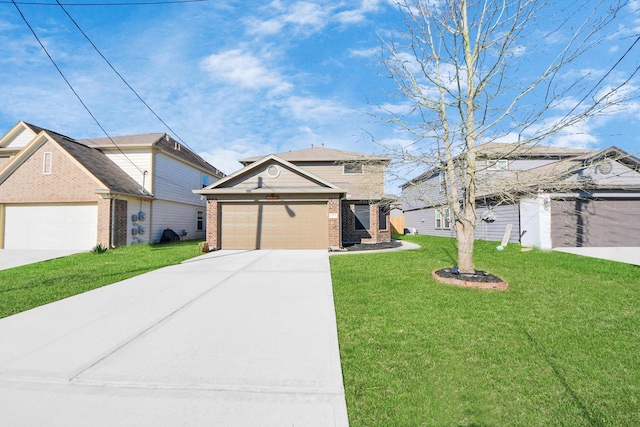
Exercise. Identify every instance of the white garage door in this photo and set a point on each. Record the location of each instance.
(69, 227)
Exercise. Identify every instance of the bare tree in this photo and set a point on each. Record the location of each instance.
(458, 66)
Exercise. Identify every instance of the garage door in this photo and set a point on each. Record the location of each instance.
(69, 227)
(274, 225)
(595, 223)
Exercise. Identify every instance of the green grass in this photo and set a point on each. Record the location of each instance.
(29, 286)
(560, 347)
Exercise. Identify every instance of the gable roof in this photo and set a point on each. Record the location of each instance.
(562, 170)
(219, 186)
(320, 154)
(500, 150)
(161, 141)
(96, 163)
(100, 166)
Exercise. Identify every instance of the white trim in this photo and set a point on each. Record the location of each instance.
(47, 163)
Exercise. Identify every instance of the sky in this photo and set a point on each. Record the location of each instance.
(235, 79)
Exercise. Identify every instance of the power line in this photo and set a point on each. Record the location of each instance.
(105, 4)
(122, 78)
(71, 87)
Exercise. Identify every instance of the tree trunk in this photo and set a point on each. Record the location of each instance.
(465, 235)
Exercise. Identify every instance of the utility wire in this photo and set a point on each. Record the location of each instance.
(105, 4)
(71, 87)
(122, 78)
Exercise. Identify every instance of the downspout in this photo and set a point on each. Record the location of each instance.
(113, 222)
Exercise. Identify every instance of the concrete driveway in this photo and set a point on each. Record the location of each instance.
(628, 255)
(10, 258)
(231, 338)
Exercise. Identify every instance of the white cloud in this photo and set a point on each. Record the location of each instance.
(244, 69)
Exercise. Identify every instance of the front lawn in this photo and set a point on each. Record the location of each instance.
(560, 347)
(29, 286)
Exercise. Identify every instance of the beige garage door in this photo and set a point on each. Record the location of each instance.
(274, 225)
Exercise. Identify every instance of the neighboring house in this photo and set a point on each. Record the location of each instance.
(315, 198)
(60, 193)
(594, 201)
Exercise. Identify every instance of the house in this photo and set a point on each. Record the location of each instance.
(315, 198)
(552, 197)
(58, 192)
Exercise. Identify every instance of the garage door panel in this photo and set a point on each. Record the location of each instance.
(68, 227)
(595, 223)
(274, 226)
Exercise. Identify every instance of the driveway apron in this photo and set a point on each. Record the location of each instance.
(231, 338)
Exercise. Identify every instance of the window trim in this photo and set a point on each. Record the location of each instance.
(357, 223)
(353, 164)
(47, 163)
(495, 165)
(442, 216)
(382, 219)
(200, 220)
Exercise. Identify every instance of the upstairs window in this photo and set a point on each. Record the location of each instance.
(443, 219)
(352, 169)
(205, 180)
(361, 212)
(46, 163)
(498, 165)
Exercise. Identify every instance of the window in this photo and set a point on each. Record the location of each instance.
(200, 221)
(382, 218)
(443, 219)
(497, 165)
(352, 168)
(443, 182)
(205, 180)
(362, 217)
(46, 163)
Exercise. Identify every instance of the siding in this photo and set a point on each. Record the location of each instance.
(369, 185)
(286, 179)
(423, 194)
(140, 158)
(174, 181)
(424, 220)
(504, 215)
(20, 140)
(134, 207)
(175, 216)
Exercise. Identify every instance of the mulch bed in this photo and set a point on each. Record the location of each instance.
(480, 279)
(373, 246)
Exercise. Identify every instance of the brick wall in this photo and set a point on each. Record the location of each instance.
(212, 224)
(334, 223)
(104, 222)
(66, 183)
(372, 235)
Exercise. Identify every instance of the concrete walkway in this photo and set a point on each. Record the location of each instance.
(231, 338)
(628, 255)
(10, 258)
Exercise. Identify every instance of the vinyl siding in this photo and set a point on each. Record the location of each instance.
(20, 140)
(368, 185)
(134, 207)
(493, 231)
(175, 216)
(133, 162)
(286, 179)
(174, 181)
(423, 220)
(423, 194)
